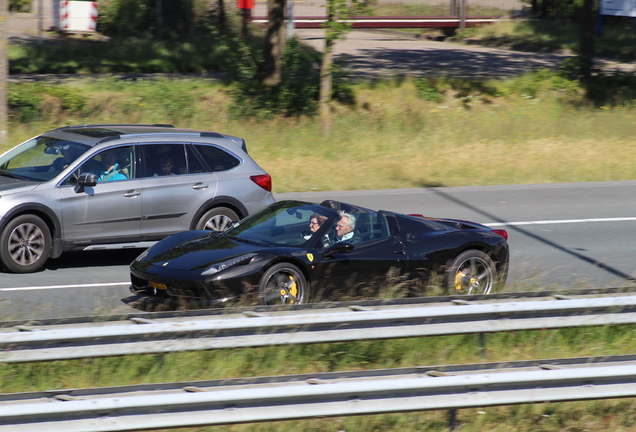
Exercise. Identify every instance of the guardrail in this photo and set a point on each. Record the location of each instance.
(375, 22)
(300, 326)
(217, 402)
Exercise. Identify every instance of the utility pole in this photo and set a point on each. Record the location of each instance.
(4, 72)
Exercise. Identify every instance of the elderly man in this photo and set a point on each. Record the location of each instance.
(345, 227)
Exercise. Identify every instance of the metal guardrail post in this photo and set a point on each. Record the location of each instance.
(462, 14)
(482, 345)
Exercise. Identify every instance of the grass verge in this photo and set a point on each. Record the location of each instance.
(518, 131)
(595, 416)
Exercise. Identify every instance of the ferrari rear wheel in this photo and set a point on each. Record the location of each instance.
(282, 283)
(472, 272)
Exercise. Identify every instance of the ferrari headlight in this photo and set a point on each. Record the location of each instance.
(215, 268)
(143, 255)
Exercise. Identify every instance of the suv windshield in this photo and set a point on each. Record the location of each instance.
(287, 223)
(40, 159)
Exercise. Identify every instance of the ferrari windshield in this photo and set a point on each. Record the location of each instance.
(40, 158)
(287, 223)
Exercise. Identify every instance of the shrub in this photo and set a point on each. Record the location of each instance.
(20, 5)
(295, 95)
(25, 101)
(427, 91)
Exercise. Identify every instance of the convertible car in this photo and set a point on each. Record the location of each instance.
(290, 253)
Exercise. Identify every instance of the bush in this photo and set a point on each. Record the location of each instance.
(427, 91)
(20, 5)
(125, 18)
(296, 94)
(542, 80)
(25, 100)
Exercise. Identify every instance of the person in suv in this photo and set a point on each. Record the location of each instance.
(52, 199)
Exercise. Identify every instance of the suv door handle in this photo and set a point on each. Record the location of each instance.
(200, 186)
(132, 194)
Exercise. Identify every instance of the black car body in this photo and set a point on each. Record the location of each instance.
(272, 257)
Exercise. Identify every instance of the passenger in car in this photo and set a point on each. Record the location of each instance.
(69, 154)
(165, 164)
(315, 222)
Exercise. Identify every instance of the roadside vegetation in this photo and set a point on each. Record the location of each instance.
(617, 39)
(395, 133)
(595, 416)
(541, 127)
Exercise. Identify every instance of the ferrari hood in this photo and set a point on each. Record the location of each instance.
(202, 252)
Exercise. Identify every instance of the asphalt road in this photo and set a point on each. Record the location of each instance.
(368, 54)
(561, 236)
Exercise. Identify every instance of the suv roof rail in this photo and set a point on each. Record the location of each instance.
(115, 124)
(211, 135)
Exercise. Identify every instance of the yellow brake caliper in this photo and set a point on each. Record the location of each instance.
(293, 289)
(458, 280)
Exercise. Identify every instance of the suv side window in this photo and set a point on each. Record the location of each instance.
(108, 165)
(216, 158)
(163, 160)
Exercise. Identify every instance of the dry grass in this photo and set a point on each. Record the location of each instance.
(393, 139)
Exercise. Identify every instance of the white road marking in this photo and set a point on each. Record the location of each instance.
(65, 286)
(490, 224)
(563, 221)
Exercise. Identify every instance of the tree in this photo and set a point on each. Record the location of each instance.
(335, 29)
(274, 42)
(4, 71)
(586, 48)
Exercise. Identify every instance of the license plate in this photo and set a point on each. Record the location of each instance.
(158, 285)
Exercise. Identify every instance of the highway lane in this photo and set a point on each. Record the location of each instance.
(561, 235)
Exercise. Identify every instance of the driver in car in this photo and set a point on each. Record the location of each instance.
(69, 154)
(315, 222)
(344, 230)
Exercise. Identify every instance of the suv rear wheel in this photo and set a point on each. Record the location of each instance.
(217, 219)
(25, 244)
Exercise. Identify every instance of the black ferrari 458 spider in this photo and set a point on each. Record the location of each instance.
(298, 252)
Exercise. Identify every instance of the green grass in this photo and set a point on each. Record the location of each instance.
(232, 363)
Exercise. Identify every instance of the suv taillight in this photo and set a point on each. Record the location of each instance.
(263, 180)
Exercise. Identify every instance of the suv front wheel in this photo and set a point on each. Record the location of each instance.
(25, 244)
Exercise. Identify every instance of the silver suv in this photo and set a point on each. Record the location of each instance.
(118, 186)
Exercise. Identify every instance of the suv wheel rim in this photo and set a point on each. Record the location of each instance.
(218, 223)
(26, 244)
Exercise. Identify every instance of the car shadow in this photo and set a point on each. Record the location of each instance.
(104, 258)
(598, 264)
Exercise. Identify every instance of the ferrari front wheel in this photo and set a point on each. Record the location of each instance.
(282, 284)
(472, 272)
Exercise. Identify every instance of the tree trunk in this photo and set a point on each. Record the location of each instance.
(159, 12)
(4, 71)
(326, 85)
(586, 52)
(274, 42)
